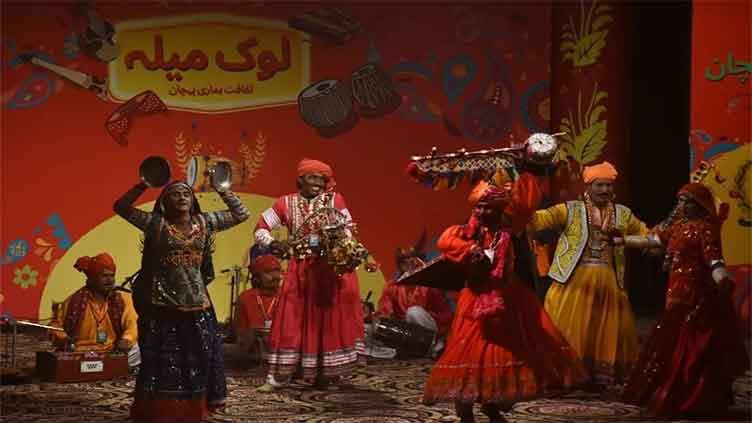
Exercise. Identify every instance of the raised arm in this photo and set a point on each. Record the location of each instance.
(235, 213)
(124, 207)
(551, 218)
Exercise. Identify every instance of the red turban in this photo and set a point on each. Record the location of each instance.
(604, 170)
(702, 196)
(307, 166)
(264, 263)
(93, 267)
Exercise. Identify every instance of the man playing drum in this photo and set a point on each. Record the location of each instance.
(419, 305)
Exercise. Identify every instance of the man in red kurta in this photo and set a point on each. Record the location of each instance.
(317, 328)
(255, 307)
(420, 305)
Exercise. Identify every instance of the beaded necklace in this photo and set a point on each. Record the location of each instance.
(607, 222)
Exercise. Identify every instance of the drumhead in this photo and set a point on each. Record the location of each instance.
(154, 171)
(191, 173)
(318, 88)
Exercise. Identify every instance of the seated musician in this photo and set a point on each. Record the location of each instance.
(97, 317)
(255, 307)
(419, 305)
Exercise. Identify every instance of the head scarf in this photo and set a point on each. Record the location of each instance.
(489, 193)
(603, 170)
(265, 263)
(307, 166)
(93, 267)
(161, 205)
(701, 195)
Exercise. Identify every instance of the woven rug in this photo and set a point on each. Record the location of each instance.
(384, 391)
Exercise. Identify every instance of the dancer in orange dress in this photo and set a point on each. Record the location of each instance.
(502, 346)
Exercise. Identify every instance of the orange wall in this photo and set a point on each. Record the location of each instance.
(58, 161)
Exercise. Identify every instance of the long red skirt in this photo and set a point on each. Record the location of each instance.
(690, 361)
(516, 356)
(318, 325)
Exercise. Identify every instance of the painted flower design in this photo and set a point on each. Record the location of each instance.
(25, 276)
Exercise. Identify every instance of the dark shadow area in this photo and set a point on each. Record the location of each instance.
(659, 84)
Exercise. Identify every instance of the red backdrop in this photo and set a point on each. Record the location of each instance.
(61, 170)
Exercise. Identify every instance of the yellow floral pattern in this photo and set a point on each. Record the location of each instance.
(585, 133)
(582, 44)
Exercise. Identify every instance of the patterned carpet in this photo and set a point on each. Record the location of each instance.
(385, 391)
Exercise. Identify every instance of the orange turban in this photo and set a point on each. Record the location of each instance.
(264, 263)
(485, 191)
(92, 267)
(604, 170)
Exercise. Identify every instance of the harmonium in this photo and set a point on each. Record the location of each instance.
(88, 366)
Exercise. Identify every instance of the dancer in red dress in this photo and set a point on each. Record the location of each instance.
(502, 346)
(317, 326)
(694, 352)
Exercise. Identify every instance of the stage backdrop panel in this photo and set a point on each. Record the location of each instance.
(88, 93)
(721, 122)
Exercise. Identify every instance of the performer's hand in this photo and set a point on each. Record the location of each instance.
(615, 236)
(122, 345)
(279, 248)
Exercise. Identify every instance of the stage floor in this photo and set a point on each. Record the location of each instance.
(385, 391)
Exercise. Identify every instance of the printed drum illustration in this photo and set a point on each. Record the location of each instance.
(372, 89)
(328, 107)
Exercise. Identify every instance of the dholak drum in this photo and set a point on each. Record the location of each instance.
(198, 175)
(372, 89)
(327, 106)
(406, 337)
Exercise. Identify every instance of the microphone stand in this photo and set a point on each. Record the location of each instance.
(234, 291)
(127, 282)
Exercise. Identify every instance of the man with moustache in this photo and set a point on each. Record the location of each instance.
(96, 317)
(317, 330)
(587, 300)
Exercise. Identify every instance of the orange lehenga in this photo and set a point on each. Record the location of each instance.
(502, 346)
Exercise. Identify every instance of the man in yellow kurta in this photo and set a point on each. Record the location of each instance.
(96, 317)
(587, 300)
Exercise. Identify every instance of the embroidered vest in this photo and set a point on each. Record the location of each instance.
(574, 238)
